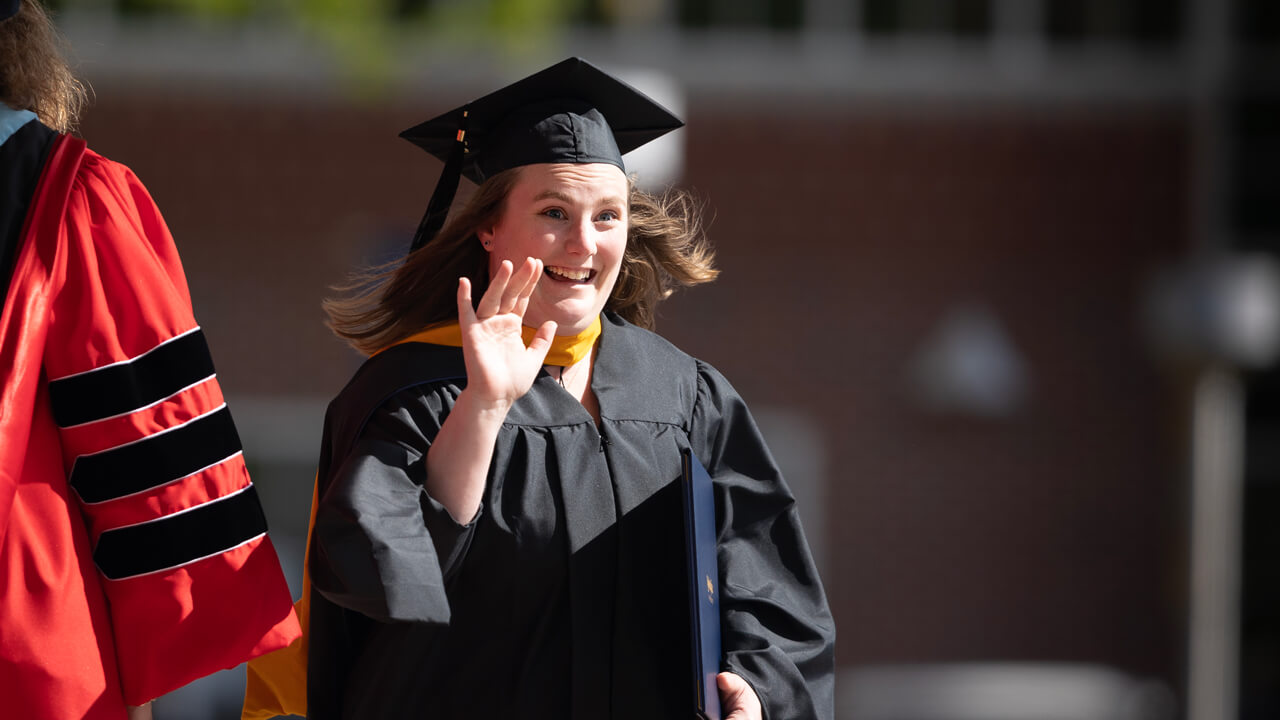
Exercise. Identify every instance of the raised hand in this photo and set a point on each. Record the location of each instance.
(500, 369)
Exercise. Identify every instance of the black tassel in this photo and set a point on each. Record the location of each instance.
(446, 189)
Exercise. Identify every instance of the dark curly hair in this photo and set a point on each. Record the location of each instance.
(34, 74)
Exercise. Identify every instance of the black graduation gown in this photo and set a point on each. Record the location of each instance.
(565, 595)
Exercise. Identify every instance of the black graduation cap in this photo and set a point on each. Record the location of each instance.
(571, 112)
(9, 8)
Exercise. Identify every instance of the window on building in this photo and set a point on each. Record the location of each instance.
(729, 14)
(1258, 23)
(947, 17)
(1143, 22)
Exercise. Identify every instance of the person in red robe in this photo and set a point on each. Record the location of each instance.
(134, 555)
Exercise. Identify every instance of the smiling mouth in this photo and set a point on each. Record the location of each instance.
(569, 274)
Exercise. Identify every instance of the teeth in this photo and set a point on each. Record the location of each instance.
(570, 274)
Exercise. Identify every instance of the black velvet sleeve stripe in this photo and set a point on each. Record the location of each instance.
(156, 459)
(181, 538)
(127, 386)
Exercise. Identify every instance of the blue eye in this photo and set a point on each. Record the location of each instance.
(607, 216)
(554, 213)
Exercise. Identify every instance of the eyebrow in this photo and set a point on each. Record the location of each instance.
(557, 195)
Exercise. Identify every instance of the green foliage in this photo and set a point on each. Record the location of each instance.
(514, 26)
(220, 9)
(367, 36)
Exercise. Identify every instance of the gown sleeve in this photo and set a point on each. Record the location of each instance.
(192, 582)
(776, 629)
(381, 545)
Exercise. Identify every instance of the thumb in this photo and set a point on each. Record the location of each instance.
(730, 687)
(737, 700)
(541, 342)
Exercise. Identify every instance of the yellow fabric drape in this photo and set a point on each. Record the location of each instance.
(565, 349)
(276, 683)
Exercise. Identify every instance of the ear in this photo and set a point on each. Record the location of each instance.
(486, 238)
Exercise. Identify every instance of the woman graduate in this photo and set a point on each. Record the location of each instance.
(133, 551)
(499, 525)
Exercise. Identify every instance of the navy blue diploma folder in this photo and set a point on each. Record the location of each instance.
(704, 584)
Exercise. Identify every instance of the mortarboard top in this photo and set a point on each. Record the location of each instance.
(571, 112)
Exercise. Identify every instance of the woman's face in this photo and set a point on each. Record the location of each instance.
(573, 217)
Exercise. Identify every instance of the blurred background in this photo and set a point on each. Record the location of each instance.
(998, 283)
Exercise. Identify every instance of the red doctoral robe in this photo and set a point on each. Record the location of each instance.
(133, 550)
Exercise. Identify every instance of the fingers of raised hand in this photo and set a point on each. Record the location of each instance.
(535, 272)
(466, 313)
(491, 301)
(519, 287)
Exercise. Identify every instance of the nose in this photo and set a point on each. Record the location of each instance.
(581, 239)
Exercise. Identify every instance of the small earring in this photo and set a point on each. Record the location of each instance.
(486, 243)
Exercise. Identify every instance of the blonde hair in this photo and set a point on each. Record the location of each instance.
(33, 73)
(666, 249)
